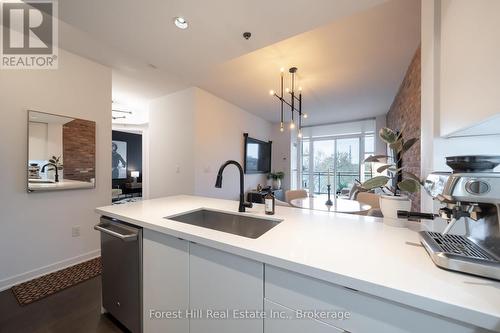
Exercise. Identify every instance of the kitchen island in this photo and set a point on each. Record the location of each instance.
(380, 275)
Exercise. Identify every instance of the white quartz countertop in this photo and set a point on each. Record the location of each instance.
(350, 250)
(63, 184)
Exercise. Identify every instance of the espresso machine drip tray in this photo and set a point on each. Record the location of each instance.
(459, 245)
(459, 253)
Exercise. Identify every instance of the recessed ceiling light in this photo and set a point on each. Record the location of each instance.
(180, 22)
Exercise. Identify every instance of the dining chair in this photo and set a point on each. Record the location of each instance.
(295, 194)
(368, 198)
(371, 199)
(281, 203)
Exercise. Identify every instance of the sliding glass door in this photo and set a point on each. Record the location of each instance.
(323, 160)
(348, 167)
(337, 161)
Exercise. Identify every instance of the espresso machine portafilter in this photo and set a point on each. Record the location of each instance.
(471, 193)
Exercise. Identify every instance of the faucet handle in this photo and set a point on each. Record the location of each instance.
(244, 205)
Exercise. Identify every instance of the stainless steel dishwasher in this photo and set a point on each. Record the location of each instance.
(121, 252)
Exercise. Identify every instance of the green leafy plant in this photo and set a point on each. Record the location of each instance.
(57, 161)
(399, 145)
(276, 175)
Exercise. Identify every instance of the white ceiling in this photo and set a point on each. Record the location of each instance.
(349, 69)
(351, 65)
(42, 117)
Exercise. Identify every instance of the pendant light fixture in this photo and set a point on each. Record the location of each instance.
(294, 99)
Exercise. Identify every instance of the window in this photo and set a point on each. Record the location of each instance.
(369, 150)
(334, 154)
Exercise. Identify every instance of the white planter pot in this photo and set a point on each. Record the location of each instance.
(276, 184)
(389, 205)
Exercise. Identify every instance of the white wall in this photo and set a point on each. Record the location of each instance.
(281, 153)
(35, 232)
(38, 137)
(219, 128)
(171, 144)
(474, 145)
(45, 140)
(124, 101)
(193, 132)
(54, 140)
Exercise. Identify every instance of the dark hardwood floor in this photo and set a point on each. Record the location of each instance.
(74, 310)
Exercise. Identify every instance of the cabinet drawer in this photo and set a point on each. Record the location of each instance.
(367, 314)
(281, 319)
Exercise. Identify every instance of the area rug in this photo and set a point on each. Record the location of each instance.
(36, 289)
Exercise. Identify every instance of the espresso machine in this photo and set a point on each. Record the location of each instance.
(471, 193)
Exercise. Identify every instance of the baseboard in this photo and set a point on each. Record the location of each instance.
(33, 274)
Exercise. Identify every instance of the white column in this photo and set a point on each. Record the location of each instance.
(380, 146)
(429, 89)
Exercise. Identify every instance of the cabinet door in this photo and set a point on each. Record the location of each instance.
(469, 66)
(280, 319)
(220, 281)
(367, 313)
(165, 282)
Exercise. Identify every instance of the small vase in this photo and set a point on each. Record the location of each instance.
(389, 205)
(276, 184)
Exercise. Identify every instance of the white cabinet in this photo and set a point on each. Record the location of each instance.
(165, 282)
(181, 276)
(281, 319)
(469, 64)
(221, 282)
(366, 313)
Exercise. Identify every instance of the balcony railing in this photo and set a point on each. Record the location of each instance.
(344, 179)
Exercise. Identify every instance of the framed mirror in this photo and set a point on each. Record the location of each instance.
(61, 152)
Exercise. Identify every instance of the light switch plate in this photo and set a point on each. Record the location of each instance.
(75, 231)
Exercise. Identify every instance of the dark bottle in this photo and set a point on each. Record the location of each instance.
(269, 203)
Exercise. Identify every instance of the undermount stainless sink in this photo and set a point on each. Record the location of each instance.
(241, 225)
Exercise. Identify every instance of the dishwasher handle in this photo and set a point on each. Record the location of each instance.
(104, 227)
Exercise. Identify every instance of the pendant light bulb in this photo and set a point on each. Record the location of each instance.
(282, 69)
(305, 115)
(271, 92)
(299, 134)
(292, 125)
(287, 90)
(281, 127)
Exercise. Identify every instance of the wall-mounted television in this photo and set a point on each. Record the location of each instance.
(257, 155)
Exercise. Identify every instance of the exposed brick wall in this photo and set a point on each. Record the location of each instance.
(405, 109)
(79, 150)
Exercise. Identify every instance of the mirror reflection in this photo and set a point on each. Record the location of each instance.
(61, 152)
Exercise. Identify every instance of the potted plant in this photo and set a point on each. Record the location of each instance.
(398, 180)
(276, 179)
